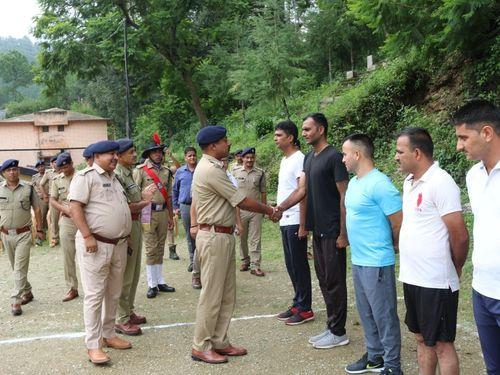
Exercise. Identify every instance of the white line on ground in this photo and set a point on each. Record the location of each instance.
(73, 335)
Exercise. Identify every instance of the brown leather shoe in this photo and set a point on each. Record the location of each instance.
(244, 267)
(98, 356)
(71, 295)
(209, 356)
(116, 343)
(232, 351)
(137, 319)
(257, 272)
(26, 298)
(16, 309)
(196, 283)
(128, 329)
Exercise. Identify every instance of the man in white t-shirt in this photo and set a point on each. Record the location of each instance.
(433, 246)
(293, 233)
(477, 126)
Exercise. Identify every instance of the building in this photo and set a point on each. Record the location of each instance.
(44, 134)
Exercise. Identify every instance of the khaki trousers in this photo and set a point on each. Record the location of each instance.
(44, 208)
(250, 241)
(67, 231)
(154, 238)
(102, 278)
(218, 296)
(131, 275)
(18, 250)
(54, 223)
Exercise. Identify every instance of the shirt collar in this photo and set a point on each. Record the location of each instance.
(126, 171)
(213, 160)
(100, 170)
(482, 167)
(428, 173)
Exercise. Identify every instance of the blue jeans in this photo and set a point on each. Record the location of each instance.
(375, 289)
(487, 315)
(297, 265)
(186, 221)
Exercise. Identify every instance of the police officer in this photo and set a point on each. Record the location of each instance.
(67, 229)
(172, 246)
(16, 200)
(88, 155)
(127, 321)
(238, 160)
(212, 222)
(100, 210)
(41, 190)
(153, 171)
(252, 182)
(48, 178)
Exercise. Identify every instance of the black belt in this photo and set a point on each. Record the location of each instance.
(186, 204)
(158, 207)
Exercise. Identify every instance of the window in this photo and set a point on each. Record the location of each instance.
(45, 129)
(60, 128)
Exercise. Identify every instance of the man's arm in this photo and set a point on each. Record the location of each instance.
(175, 191)
(78, 217)
(193, 230)
(248, 204)
(296, 196)
(263, 198)
(459, 239)
(60, 207)
(396, 219)
(302, 219)
(342, 240)
(147, 196)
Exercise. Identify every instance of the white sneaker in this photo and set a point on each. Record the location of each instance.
(313, 339)
(331, 341)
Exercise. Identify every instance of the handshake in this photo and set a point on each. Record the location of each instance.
(276, 213)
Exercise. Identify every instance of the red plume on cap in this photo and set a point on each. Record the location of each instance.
(156, 138)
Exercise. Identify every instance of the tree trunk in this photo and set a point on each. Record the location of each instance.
(195, 98)
(286, 108)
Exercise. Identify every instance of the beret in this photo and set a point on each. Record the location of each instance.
(38, 163)
(125, 144)
(9, 163)
(53, 159)
(87, 153)
(210, 134)
(238, 152)
(102, 147)
(248, 150)
(63, 159)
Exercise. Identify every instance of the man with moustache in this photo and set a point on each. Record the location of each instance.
(153, 171)
(477, 126)
(67, 229)
(181, 200)
(433, 245)
(127, 321)
(100, 211)
(324, 183)
(212, 223)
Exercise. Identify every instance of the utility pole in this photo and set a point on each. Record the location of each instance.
(127, 85)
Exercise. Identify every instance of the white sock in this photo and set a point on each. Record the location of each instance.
(159, 269)
(151, 277)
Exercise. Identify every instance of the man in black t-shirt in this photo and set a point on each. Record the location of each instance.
(323, 184)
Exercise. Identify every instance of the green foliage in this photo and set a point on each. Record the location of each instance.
(15, 72)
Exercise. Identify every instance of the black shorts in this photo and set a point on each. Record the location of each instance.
(431, 313)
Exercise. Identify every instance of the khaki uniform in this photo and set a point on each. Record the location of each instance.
(215, 199)
(107, 215)
(40, 189)
(49, 177)
(252, 183)
(155, 237)
(15, 213)
(67, 229)
(133, 267)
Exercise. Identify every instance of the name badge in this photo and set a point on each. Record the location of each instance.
(107, 184)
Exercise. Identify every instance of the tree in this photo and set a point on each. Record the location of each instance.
(15, 72)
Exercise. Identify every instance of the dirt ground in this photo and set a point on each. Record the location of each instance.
(164, 347)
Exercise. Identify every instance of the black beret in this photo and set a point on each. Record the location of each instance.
(63, 159)
(125, 144)
(248, 150)
(87, 153)
(210, 134)
(53, 159)
(9, 163)
(102, 147)
(39, 163)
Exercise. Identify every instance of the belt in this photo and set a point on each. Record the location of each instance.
(158, 207)
(112, 241)
(13, 232)
(217, 228)
(185, 203)
(136, 216)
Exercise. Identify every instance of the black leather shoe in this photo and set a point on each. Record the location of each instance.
(152, 292)
(172, 253)
(166, 288)
(190, 267)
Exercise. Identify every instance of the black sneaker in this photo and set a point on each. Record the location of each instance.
(166, 288)
(363, 365)
(152, 292)
(287, 314)
(390, 371)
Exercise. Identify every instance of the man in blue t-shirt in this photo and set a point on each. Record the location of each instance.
(373, 219)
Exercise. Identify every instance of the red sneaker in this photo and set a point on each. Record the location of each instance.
(287, 314)
(300, 318)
